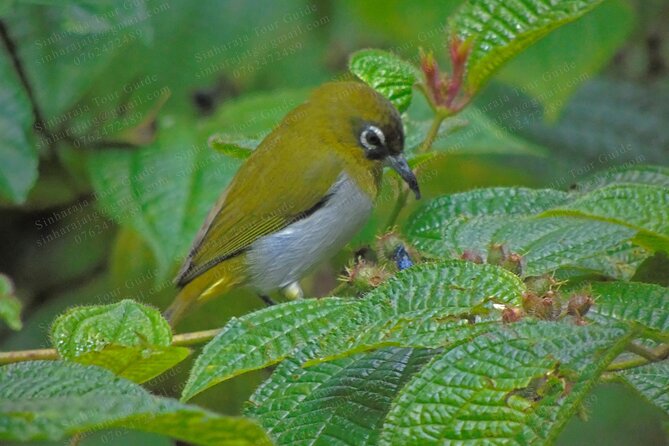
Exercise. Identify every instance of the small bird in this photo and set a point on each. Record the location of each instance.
(299, 198)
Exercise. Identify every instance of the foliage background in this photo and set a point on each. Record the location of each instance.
(101, 200)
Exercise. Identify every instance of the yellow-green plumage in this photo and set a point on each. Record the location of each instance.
(288, 177)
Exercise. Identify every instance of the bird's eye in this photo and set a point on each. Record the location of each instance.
(372, 138)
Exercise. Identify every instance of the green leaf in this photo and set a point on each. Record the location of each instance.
(484, 136)
(605, 123)
(547, 244)
(138, 364)
(452, 224)
(621, 262)
(469, 132)
(420, 307)
(128, 338)
(426, 306)
(638, 206)
(263, 338)
(386, 73)
(415, 130)
(553, 68)
(18, 157)
(48, 400)
(651, 381)
(518, 384)
(637, 174)
(62, 69)
(423, 306)
(342, 402)
(234, 146)
(163, 191)
(128, 323)
(10, 305)
(642, 303)
(497, 30)
(472, 222)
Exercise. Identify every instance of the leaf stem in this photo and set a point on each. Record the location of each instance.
(425, 147)
(45, 354)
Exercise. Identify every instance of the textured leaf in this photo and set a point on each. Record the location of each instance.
(128, 338)
(10, 305)
(342, 402)
(517, 385)
(652, 381)
(129, 323)
(51, 400)
(386, 73)
(18, 157)
(263, 338)
(642, 303)
(620, 262)
(423, 306)
(452, 224)
(553, 68)
(637, 174)
(547, 244)
(497, 30)
(638, 206)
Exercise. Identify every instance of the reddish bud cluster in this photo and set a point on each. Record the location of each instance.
(446, 91)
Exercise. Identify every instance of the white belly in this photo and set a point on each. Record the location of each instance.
(284, 257)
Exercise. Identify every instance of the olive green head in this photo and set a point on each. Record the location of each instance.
(362, 124)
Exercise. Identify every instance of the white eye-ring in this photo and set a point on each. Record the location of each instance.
(372, 138)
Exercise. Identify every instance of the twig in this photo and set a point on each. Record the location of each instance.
(194, 338)
(183, 340)
(28, 355)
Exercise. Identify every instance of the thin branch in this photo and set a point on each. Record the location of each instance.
(28, 355)
(194, 338)
(183, 340)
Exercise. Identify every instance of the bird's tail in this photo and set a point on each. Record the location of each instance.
(181, 304)
(210, 284)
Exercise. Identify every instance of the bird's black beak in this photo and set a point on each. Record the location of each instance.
(399, 164)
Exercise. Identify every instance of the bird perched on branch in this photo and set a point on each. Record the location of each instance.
(299, 198)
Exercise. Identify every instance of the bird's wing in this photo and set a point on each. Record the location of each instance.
(259, 202)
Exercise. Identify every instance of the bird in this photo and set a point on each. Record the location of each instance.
(298, 199)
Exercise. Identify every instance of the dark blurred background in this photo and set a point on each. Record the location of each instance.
(119, 174)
